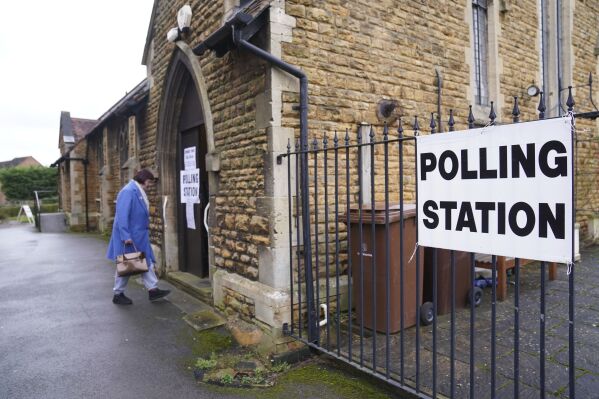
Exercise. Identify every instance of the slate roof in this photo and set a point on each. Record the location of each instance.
(82, 127)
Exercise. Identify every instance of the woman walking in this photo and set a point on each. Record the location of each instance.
(130, 231)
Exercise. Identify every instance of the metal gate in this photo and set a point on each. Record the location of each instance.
(377, 318)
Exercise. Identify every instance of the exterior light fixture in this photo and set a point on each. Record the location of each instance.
(173, 35)
(533, 90)
(184, 18)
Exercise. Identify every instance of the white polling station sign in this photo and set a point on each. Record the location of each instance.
(502, 190)
(190, 186)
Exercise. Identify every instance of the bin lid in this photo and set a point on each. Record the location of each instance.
(379, 213)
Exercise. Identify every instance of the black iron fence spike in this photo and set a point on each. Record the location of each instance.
(346, 136)
(315, 144)
(470, 118)
(492, 114)
(516, 111)
(590, 78)
(325, 141)
(371, 134)
(541, 108)
(416, 126)
(288, 145)
(570, 101)
(451, 122)
(336, 139)
(433, 125)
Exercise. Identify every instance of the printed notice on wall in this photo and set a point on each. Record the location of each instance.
(190, 216)
(190, 193)
(501, 190)
(189, 158)
(190, 186)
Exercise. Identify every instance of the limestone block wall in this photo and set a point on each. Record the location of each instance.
(233, 82)
(111, 177)
(585, 51)
(93, 181)
(65, 186)
(76, 213)
(355, 55)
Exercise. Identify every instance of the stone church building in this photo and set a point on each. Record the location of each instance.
(211, 91)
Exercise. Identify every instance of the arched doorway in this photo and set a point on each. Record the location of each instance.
(185, 122)
(191, 157)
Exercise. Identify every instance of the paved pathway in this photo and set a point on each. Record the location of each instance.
(61, 336)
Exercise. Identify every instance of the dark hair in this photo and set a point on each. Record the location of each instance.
(143, 175)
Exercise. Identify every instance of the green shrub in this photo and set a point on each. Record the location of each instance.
(280, 367)
(227, 379)
(9, 211)
(49, 208)
(205, 364)
(19, 183)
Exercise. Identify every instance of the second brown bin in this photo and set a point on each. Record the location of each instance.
(463, 280)
(362, 253)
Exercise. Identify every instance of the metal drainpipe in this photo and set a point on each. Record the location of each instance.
(237, 38)
(85, 162)
(439, 83)
(558, 18)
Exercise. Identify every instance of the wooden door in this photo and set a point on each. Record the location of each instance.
(193, 242)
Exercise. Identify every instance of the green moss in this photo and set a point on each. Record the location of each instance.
(334, 380)
(205, 343)
(311, 379)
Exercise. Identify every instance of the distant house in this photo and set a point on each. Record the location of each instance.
(14, 163)
(20, 162)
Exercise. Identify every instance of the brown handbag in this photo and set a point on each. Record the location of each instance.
(129, 264)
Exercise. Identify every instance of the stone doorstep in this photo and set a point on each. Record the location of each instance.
(200, 288)
(204, 320)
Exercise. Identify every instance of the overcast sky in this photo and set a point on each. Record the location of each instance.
(63, 55)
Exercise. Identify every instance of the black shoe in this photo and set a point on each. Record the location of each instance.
(121, 299)
(157, 293)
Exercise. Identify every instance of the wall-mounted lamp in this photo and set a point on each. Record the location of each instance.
(183, 24)
(533, 90)
(173, 35)
(184, 18)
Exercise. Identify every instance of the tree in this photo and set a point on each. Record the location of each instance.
(19, 183)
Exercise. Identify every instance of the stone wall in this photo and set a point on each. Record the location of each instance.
(233, 82)
(76, 185)
(586, 52)
(356, 55)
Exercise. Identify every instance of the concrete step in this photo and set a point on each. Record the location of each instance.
(52, 223)
(200, 288)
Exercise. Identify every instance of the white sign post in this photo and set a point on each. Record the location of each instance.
(27, 210)
(502, 190)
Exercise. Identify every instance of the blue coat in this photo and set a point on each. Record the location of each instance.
(131, 221)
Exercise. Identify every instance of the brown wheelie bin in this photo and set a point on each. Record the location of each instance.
(362, 253)
(463, 281)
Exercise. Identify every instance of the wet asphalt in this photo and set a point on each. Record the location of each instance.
(61, 336)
